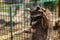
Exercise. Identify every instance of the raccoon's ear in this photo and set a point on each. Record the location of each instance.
(37, 8)
(43, 9)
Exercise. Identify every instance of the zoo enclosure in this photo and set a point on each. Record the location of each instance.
(10, 10)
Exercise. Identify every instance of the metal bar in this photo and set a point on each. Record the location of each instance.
(10, 8)
(13, 5)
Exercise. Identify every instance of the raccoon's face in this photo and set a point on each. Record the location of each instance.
(36, 12)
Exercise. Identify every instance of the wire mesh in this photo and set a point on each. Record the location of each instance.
(15, 18)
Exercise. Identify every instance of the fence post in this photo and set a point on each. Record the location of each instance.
(10, 8)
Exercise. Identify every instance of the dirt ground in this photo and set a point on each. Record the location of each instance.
(5, 29)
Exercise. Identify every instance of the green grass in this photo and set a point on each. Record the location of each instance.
(3, 8)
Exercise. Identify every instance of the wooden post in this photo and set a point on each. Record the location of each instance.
(59, 8)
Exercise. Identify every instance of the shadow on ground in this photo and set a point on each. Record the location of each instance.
(7, 24)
